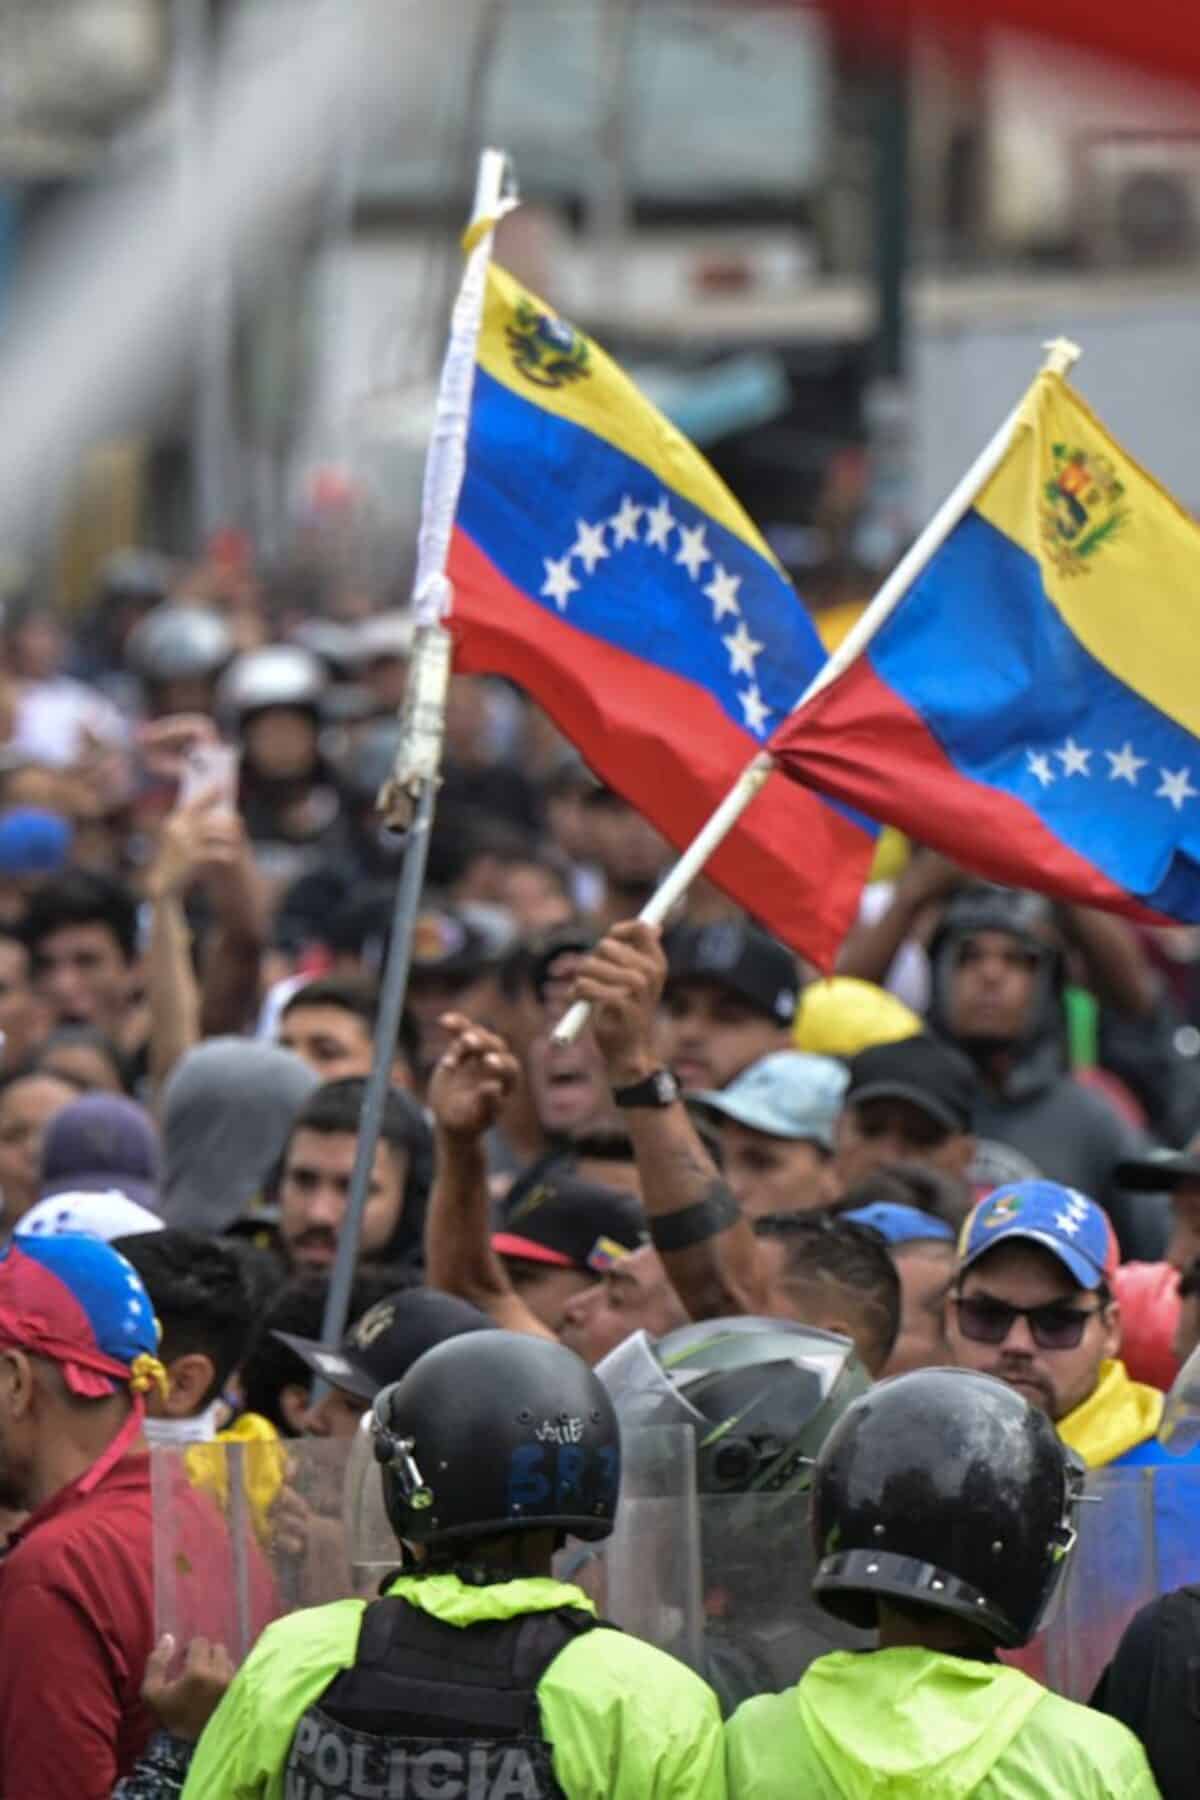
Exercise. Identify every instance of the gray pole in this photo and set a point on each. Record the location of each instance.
(391, 1007)
(191, 80)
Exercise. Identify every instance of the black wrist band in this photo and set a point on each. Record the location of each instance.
(708, 1218)
(658, 1089)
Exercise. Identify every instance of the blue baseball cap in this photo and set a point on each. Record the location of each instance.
(789, 1094)
(33, 842)
(1066, 1223)
(82, 1305)
(901, 1224)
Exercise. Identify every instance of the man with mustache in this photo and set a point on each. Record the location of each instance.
(1032, 1303)
(314, 1179)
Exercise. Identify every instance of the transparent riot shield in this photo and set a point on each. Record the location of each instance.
(762, 1627)
(244, 1533)
(646, 1576)
(1139, 1536)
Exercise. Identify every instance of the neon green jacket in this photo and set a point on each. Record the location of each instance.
(916, 1725)
(626, 1722)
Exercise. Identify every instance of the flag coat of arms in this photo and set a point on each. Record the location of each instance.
(1032, 704)
(599, 562)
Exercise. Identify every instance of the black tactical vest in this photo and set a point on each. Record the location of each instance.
(431, 1711)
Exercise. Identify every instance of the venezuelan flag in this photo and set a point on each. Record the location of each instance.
(1032, 705)
(599, 562)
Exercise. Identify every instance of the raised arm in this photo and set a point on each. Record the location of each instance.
(707, 1247)
(469, 1086)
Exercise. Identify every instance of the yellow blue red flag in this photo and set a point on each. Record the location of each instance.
(599, 562)
(1032, 705)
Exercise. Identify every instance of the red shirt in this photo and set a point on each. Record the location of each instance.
(77, 1624)
(76, 1627)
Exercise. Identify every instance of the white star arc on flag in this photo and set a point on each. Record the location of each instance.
(1175, 785)
(592, 547)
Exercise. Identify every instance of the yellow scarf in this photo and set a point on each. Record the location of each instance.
(1117, 1414)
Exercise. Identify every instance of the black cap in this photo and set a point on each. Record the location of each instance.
(382, 1346)
(566, 1223)
(921, 1070)
(739, 958)
(1158, 1172)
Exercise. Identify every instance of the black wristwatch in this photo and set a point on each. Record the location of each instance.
(657, 1089)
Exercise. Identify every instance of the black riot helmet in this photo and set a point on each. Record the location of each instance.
(760, 1393)
(947, 1490)
(497, 1432)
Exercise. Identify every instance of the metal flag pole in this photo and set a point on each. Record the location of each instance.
(1061, 354)
(408, 798)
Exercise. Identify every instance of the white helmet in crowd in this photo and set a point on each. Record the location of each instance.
(279, 675)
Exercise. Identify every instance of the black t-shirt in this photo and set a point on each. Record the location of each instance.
(1152, 1685)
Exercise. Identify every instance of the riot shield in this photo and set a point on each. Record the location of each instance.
(762, 1627)
(1139, 1536)
(244, 1533)
(646, 1576)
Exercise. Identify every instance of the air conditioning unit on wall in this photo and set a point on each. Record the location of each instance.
(1139, 198)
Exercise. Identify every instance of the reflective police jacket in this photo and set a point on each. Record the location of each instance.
(622, 1720)
(910, 1724)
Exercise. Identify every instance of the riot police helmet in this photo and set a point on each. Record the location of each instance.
(761, 1395)
(496, 1433)
(944, 1490)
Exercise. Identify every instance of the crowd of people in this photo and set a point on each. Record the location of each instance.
(913, 1249)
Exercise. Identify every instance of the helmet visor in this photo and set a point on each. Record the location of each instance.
(370, 1540)
(641, 1390)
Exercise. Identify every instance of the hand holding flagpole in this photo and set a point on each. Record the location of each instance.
(1061, 354)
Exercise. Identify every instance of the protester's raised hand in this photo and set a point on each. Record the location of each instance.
(201, 835)
(623, 979)
(472, 1080)
(185, 1705)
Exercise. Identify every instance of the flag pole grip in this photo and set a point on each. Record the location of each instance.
(684, 873)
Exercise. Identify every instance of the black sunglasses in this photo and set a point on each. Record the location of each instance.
(1054, 1326)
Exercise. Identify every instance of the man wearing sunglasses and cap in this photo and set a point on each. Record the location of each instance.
(1032, 1303)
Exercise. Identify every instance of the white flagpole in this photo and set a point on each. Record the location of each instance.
(1061, 354)
(407, 800)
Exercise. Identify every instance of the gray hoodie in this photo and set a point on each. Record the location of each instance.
(228, 1107)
